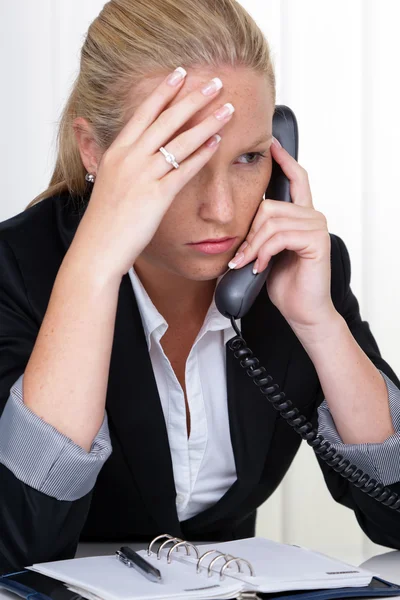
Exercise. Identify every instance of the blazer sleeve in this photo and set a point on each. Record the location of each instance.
(380, 523)
(34, 526)
(44, 458)
(377, 460)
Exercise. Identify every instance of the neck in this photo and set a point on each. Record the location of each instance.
(175, 297)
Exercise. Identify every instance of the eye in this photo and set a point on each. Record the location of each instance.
(257, 155)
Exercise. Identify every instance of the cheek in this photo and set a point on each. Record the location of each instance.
(248, 208)
(173, 227)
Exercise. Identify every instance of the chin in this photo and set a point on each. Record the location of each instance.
(204, 270)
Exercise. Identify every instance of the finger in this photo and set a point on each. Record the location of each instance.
(175, 117)
(300, 191)
(150, 115)
(310, 245)
(175, 180)
(269, 230)
(190, 141)
(269, 209)
(149, 109)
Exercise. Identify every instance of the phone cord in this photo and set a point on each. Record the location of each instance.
(304, 428)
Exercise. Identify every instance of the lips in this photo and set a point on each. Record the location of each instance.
(213, 241)
(216, 246)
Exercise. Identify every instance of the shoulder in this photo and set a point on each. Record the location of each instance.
(31, 219)
(44, 230)
(33, 244)
(44, 219)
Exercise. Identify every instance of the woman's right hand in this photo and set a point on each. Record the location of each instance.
(135, 185)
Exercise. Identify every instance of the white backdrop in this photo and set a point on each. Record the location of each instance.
(336, 65)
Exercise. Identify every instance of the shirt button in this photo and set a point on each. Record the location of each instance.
(180, 499)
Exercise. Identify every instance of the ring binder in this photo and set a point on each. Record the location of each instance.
(285, 571)
(229, 559)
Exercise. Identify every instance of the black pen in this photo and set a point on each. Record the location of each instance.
(130, 558)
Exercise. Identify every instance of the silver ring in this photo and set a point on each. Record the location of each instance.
(170, 158)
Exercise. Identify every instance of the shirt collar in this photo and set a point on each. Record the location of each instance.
(153, 321)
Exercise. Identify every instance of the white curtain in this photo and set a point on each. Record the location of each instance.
(336, 66)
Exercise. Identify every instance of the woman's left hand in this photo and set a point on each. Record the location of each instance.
(299, 281)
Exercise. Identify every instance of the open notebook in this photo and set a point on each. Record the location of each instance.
(255, 564)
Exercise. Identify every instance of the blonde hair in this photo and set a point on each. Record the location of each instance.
(131, 40)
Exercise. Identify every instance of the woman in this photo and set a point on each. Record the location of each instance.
(120, 418)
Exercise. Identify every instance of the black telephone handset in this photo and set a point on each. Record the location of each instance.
(234, 296)
(238, 288)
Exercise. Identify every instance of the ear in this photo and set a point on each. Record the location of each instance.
(88, 148)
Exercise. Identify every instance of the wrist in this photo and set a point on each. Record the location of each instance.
(89, 268)
(331, 325)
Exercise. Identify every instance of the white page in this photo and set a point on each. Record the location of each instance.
(280, 567)
(110, 579)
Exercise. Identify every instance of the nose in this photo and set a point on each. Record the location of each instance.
(216, 204)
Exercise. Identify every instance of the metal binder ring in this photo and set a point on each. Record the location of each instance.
(174, 539)
(187, 545)
(198, 569)
(159, 537)
(221, 573)
(228, 559)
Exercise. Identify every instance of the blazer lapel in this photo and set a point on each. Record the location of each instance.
(134, 409)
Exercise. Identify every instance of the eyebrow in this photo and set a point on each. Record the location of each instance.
(263, 138)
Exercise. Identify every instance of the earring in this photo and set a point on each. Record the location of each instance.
(89, 177)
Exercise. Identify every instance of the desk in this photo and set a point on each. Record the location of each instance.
(386, 565)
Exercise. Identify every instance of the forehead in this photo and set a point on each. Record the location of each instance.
(249, 92)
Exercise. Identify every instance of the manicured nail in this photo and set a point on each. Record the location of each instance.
(176, 76)
(225, 111)
(212, 86)
(236, 260)
(255, 268)
(276, 142)
(213, 141)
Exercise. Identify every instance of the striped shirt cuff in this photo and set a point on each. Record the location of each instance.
(45, 459)
(380, 461)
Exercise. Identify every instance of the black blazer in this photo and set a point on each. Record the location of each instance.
(134, 496)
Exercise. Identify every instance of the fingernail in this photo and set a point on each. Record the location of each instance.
(276, 142)
(212, 86)
(255, 268)
(176, 76)
(225, 111)
(242, 247)
(236, 260)
(213, 141)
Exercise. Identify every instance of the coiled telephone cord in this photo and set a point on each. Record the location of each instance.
(304, 428)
